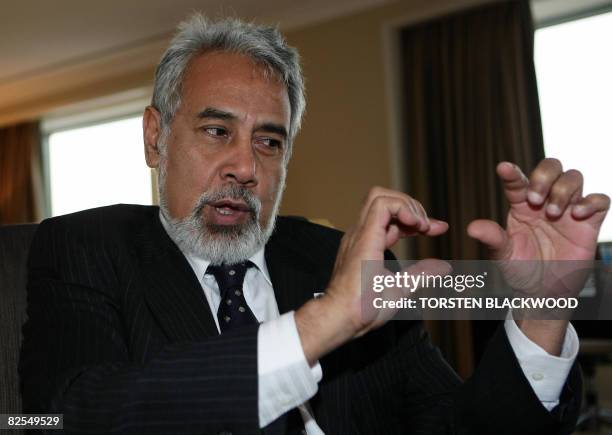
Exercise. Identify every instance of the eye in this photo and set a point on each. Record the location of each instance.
(269, 142)
(215, 131)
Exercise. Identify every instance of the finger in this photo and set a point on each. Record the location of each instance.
(415, 205)
(385, 210)
(514, 182)
(436, 227)
(542, 179)
(590, 205)
(380, 214)
(390, 219)
(566, 189)
(422, 225)
(422, 211)
(376, 192)
(490, 234)
(417, 209)
(393, 234)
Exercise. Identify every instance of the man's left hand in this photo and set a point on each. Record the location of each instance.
(549, 220)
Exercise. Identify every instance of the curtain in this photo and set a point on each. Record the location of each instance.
(470, 101)
(20, 173)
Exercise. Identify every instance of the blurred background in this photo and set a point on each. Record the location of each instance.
(425, 96)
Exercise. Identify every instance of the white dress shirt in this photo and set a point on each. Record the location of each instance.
(286, 381)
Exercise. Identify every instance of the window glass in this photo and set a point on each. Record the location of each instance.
(574, 68)
(98, 165)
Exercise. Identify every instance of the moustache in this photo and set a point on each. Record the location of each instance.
(230, 192)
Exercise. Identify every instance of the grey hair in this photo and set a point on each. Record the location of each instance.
(197, 35)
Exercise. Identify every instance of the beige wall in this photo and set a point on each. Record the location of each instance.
(346, 144)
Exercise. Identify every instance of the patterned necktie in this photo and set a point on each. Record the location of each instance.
(233, 310)
(233, 313)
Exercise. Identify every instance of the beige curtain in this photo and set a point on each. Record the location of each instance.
(20, 170)
(470, 102)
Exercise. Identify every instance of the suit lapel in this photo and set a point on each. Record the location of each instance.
(293, 277)
(173, 292)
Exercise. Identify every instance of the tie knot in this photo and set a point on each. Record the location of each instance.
(229, 275)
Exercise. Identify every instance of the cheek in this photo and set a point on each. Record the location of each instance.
(273, 194)
(274, 184)
(192, 167)
(187, 178)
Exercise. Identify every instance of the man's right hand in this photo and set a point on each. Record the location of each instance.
(386, 216)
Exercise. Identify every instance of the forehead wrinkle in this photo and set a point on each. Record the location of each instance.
(243, 107)
(235, 88)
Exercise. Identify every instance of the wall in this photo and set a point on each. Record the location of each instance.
(347, 141)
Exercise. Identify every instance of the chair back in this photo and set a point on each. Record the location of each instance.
(14, 246)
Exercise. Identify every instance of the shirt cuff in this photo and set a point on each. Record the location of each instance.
(545, 373)
(285, 378)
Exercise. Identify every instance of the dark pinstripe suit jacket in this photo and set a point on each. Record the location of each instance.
(120, 338)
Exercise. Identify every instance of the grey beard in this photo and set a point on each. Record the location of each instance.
(220, 244)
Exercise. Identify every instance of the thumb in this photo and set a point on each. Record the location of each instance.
(489, 233)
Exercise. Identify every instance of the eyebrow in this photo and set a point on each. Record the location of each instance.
(211, 112)
(273, 128)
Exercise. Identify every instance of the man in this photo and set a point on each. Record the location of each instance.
(147, 320)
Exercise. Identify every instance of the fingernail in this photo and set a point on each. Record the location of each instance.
(579, 209)
(553, 209)
(535, 197)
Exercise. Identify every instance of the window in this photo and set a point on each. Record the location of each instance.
(574, 70)
(98, 165)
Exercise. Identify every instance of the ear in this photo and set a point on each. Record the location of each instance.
(151, 129)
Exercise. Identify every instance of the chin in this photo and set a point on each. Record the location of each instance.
(226, 230)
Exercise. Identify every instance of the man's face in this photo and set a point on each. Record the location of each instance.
(228, 135)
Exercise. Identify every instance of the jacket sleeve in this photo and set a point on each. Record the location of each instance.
(75, 359)
(497, 398)
(499, 392)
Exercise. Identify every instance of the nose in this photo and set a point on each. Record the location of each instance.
(240, 164)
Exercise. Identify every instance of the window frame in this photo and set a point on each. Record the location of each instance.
(562, 17)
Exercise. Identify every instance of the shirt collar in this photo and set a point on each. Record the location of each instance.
(200, 264)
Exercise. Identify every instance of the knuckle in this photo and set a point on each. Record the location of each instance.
(379, 202)
(419, 206)
(560, 190)
(553, 162)
(374, 192)
(538, 178)
(541, 178)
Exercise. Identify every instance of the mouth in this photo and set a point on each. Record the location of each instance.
(228, 207)
(229, 212)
